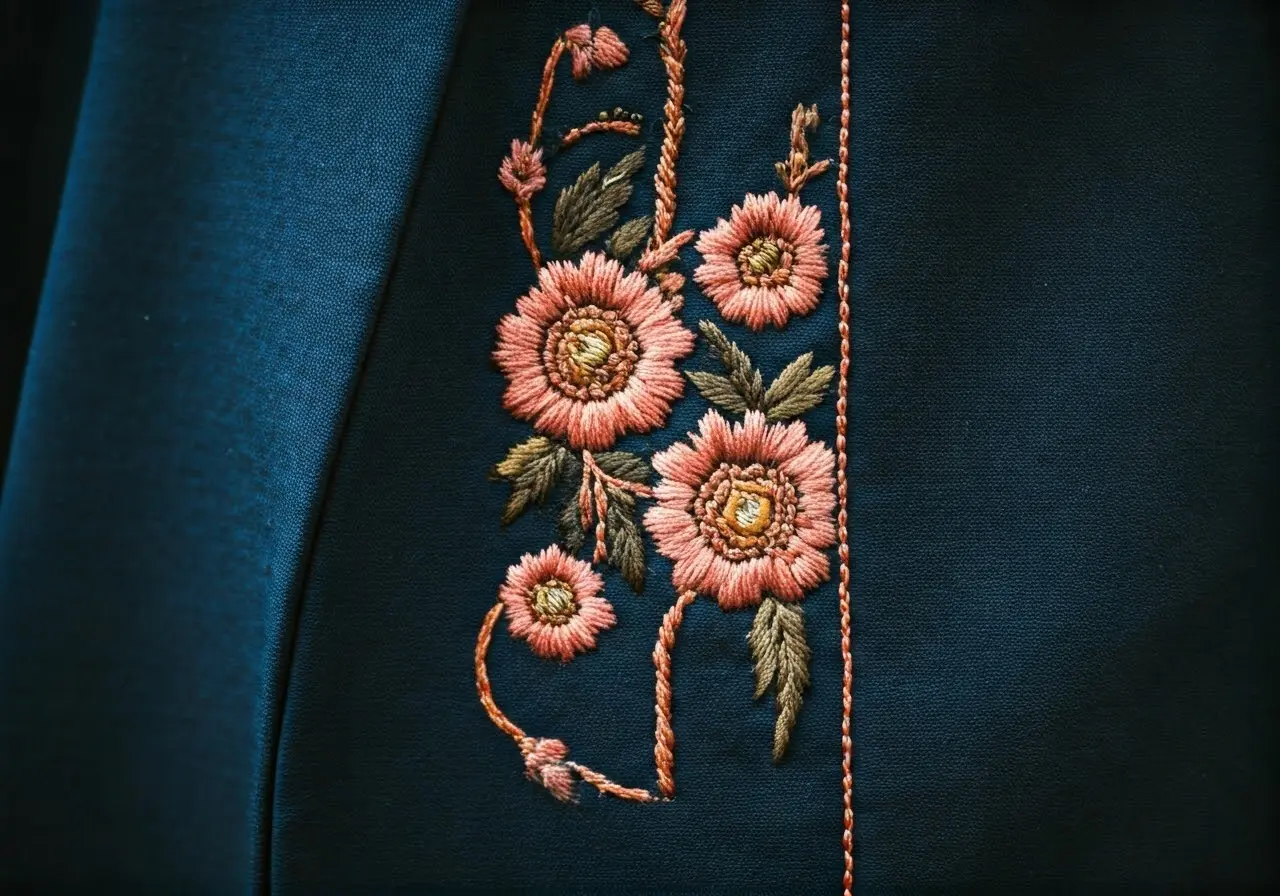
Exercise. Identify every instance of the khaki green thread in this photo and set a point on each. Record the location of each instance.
(781, 655)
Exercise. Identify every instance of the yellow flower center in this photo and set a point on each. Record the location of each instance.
(553, 602)
(760, 257)
(749, 510)
(589, 343)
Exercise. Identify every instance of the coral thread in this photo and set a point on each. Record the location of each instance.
(544, 90)
(664, 741)
(842, 460)
(625, 128)
(543, 757)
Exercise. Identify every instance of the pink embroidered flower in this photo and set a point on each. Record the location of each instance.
(591, 353)
(522, 172)
(745, 510)
(600, 49)
(553, 602)
(766, 262)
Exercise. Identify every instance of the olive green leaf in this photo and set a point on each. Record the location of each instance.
(626, 548)
(628, 237)
(743, 389)
(532, 467)
(781, 656)
(798, 389)
(572, 533)
(588, 207)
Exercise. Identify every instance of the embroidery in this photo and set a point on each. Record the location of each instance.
(768, 260)
(744, 510)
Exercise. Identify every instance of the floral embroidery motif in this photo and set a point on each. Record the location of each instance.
(553, 602)
(744, 510)
(768, 262)
(591, 353)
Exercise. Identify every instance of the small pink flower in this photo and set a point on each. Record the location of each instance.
(522, 172)
(544, 762)
(591, 353)
(588, 50)
(553, 602)
(745, 510)
(766, 262)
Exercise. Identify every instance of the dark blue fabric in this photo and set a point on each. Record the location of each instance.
(389, 770)
(235, 194)
(259, 407)
(1064, 424)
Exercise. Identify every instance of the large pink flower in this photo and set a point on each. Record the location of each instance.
(591, 353)
(766, 262)
(745, 510)
(553, 602)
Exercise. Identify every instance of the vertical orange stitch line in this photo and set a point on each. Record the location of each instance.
(544, 91)
(482, 677)
(604, 785)
(672, 50)
(842, 459)
(664, 740)
(602, 510)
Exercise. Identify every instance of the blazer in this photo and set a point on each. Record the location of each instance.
(675, 446)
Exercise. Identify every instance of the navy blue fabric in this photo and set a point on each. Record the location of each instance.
(259, 407)
(1064, 424)
(389, 769)
(236, 189)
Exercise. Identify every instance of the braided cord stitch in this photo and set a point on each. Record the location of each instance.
(842, 459)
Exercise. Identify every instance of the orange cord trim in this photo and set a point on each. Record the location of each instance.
(544, 91)
(525, 209)
(664, 740)
(526, 743)
(842, 459)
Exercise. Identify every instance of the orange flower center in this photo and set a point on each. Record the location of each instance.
(765, 261)
(552, 602)
(746, 512)
(590, 353)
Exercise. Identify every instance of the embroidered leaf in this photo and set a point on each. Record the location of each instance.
(743, 376)
(572, 535)
(626, 549)
(624, 465)
(589, 207)
(781, 655)
(797, 389)
(532, 467)
(762, 640)
(718, 390)
(627, 238)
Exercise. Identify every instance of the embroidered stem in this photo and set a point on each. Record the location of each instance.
(525, 210)
(544, 90)
(796, 171)
(672, 51)
(625, 128)
(664, 740)
(593, 496)
(545, 758)
(842, 460)
(482, 677)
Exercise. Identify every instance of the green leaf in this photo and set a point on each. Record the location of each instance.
(532, 467)
(627, 238)
(797, 389)
(589, 207)
(781, 655)
(626, 547)
(718, 390)
(572, 534)
(624, 465)
(743, 376)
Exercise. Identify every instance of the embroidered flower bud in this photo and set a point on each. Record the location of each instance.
(553, 601)
(522, 172)
(588, 50)
(544, 762)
